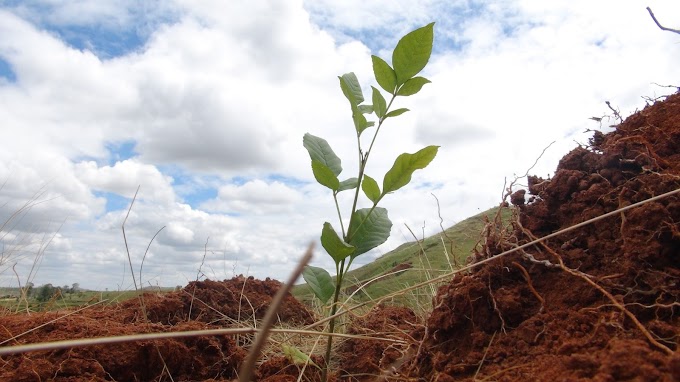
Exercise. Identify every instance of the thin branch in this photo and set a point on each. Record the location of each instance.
(616, 112)
(247, 369)
(127, 248)
(659, 25)
(83, 342)
(141, 266)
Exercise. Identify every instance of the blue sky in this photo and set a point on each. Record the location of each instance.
(204, 105)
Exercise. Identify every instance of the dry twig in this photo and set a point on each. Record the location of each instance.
(659, 25)
(248, 366)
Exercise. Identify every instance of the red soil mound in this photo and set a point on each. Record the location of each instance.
(210, 305)
(526, 318)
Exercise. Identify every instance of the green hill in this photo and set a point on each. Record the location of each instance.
(418, 261)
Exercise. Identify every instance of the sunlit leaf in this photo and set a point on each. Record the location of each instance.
(384, 74)
(324, 175)
(412, 86)
(412, 53)
(402, 169)
(379, 103)
(371, 189)
(396, 112)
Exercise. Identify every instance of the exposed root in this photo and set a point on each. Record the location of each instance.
(531, 285)
(589, 279)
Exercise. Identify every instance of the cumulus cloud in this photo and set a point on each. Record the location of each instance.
(254, 197)
(124, 177)
(215, 97)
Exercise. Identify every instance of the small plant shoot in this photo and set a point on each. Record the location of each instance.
(368, 227)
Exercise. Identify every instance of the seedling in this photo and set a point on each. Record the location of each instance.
(368, 227)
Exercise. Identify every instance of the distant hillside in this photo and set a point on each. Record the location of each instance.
(419, 261)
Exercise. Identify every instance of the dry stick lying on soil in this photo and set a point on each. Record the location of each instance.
(67, 344)
(305, 330)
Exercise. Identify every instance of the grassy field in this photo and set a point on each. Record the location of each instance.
(413, 262)
(421, 261)
(11, 301)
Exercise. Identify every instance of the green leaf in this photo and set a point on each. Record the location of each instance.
(374, 231)
(402, 169)
(348, 184)
(379, 103)
(324, 175)
(351, 89)
(371, 189)
(296, 356)
(365, 109)
(384, 74)
(334, 245)
(320, 282)
(396, 112)
(360, 122)
(412, 53)
(320, 150)
(412, 86)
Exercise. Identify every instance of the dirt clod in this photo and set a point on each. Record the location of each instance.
(526, 317)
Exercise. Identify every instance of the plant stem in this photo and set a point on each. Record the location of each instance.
(331, 324)
(340, 268)
(337, 207)
(363, 160)
(362, 166)
(380, 122)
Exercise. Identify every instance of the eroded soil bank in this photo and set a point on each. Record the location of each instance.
(525, 317)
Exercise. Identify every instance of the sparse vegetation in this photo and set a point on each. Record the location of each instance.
(428, 257)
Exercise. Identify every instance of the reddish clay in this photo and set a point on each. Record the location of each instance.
(524, 318)
(214, 358)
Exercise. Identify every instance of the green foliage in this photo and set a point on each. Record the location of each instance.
(371, 189)
(334, 245)
(368, 227)
(320, 282)
(413, 86)
(384, 74)
(412, 53)
(402, 169)
(321, 151)
(324, 175)
(296, 356)
(45, 292)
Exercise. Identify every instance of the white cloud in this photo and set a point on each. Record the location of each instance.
(222, 92)
(254, 197)
(124, 177)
